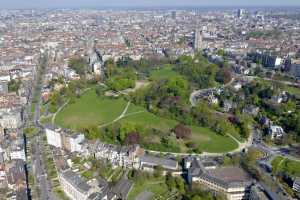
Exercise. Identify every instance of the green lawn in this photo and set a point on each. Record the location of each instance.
(281, 164)
(91, 110)
(209, 141)
(157, 187)
(60, 193)
(148, 120)
(87, 174)
(163, 72)
(293, 90)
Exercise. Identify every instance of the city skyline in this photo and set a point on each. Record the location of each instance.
(19, 4)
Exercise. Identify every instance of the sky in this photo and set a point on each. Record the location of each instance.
(139, 3)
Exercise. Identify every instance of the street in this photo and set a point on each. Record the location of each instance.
(44, 186)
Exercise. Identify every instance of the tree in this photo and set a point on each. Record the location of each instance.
(99, 91)
(132, 138)
(227, 161)
(158, 171)
(176, 86)
(170, 181)
(79, 65)
(110, 67)
(223, 76)
(56, 99)
(92, 133)
(203, 114)
(182, 132)
(120, 78)
(124, 61)
(180, 185)
(198, 71)
(196, 197)
(253, 155)
(221, 52)
(223, 126)
(14, 85)
(125, 129)
(119, 83)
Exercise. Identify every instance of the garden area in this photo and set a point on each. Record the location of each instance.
(155, 185)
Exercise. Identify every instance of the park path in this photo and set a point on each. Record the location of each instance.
(66, 103)
(122, 115)
(194, 94)
(241, 146)
(60, 108)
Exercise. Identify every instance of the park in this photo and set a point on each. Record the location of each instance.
(92, 110)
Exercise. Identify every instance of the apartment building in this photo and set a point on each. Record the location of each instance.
(233, 182)
(74, 186)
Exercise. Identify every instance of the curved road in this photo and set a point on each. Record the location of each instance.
(194, 94)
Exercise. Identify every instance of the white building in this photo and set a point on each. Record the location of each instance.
(278, 61)
(233, 182)
(76, 143)
(296, 185)
(5, 77)
(74, 187)
(98, 68)
(276, 132)
(237, 86)
(117, 155)
(18, 155)
(54, 137)
(71, 74)
(10, 120)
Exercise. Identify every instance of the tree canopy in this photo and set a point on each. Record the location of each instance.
(79, 65)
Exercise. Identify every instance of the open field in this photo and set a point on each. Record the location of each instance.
(91, 110)
(281, 164)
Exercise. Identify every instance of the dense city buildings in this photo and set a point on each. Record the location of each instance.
(194, 103)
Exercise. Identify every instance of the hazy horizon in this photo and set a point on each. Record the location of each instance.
(30, 4)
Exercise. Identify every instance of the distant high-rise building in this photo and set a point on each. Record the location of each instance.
(174, 15)
(240, 13)
(198, 40)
